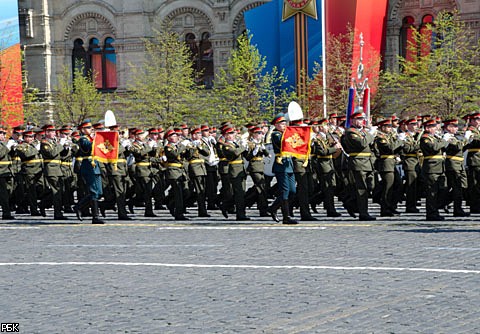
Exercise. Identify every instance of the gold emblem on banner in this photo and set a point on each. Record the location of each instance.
(292, 7)
(106, 147)
(295, 140)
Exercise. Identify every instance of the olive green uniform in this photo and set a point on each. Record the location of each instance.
(6, 180)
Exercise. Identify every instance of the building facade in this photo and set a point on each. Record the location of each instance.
(108, 34)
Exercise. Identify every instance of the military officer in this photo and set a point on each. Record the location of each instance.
(388, 146)
(175, 155)
(357, 143)
(325, 146)
(283, 170)
(90, 173)
(255, 156)
(454, 165)
(234, 153)
(32, 170)
(433, 169)
(410, 163)
(52, 151)
(6, 176)
(473, 162)
(211, 164)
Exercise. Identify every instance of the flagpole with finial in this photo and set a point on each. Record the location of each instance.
(362, 91)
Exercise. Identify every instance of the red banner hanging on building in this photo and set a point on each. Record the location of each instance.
(105, 146)
(296, 141)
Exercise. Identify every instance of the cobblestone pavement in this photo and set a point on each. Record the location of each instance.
(155, 275)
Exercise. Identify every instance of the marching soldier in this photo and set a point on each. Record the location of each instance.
(32, 171)
(195, 155)
(324, 149)
(175, 154)
(67, 168)
(211, 164)
(410, 162)
(473, 162)
(283, 169)
(234, 152)
(454, 167)
(226, 188)
(143, 173)
(6, 177)
(433, 169)
(356, 143)
(90, 173)
(255, 156)
(388, 146)
(52, 151)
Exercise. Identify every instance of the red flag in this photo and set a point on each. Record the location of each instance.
(105, 146)
(296, 141)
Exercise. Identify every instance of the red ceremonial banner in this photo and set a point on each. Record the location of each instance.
(105, 146)
(296, 141)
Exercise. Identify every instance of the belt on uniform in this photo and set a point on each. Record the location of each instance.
(433, 157)
(360, 154)
(256, 159)
(79, 158)
(454, 157)
(122, 160)
(196, 161)
(411, 155)
(235, 162)
(5, 162)
(17, 158)
(53, 161)
(325, 156)
(143, 164)
(174, 164)
(473, 150)
(33, 161)
(66, 163)
(283, 155)
(223, 159)
(386, 156)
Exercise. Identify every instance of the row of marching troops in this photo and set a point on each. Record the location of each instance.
(392, 161)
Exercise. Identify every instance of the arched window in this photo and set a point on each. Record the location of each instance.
(110, 64)
(426, 34)
(407, 39)
(206, 60)
(99, 62)
(79, 57)
(95, 62)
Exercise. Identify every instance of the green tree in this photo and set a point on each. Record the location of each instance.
(246, 94)
(163, 89)
(443, 80)
(78, 99)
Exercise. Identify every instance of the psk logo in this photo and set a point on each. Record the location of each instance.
(106, 147)
(295, 140)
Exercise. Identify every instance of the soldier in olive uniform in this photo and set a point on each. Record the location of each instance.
(175, 154)
(410, 163)
(6, 177)
(324, 147)
(473, 162)
(67, 168)
(143, 173)
(356, 143)
(283, 169)
(388, 146)
(454, 167)
(255, 156)
(211, 164)
(32, 171)
(234, 153)
(226, 199)
(52, 151)
(195, 154)
(19, 190)
(433, 169)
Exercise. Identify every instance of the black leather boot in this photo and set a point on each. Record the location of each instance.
(285, 213)
(95, 218)
(272, 210)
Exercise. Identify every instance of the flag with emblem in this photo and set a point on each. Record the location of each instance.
(105, 146)
(296, 141)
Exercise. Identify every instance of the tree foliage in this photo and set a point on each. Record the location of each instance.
(443, 80)
(78, 99)
(163, 88)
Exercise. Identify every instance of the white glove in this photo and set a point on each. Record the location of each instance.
(11, 143)
(163, 157)
(373, 131)
(447, 137)
(126, 143)
(402, 136)
(196, 142)
(63, 141)
(255, 150)
(213, 140)
(468, 134)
